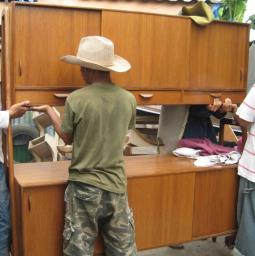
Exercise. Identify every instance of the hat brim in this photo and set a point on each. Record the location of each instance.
(119, 64)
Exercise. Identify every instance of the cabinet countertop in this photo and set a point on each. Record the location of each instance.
(56, 173)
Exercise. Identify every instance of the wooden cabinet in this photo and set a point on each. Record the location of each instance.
(168, 53)
(173, 202)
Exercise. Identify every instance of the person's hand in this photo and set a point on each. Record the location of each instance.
(228, 106)
(217, 103)
(42, 108)
(19, 109)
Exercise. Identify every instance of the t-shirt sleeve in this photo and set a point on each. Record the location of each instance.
(133, 117)
(68, 120)
(246, 111)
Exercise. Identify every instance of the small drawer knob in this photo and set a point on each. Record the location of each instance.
(146, 95)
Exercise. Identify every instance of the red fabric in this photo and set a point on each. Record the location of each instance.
(207, 147)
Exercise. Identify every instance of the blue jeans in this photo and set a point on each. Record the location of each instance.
(4, 215)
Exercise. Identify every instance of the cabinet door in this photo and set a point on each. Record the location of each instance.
(163, 209)
(41, 36)
(43, 220)
(155, 45)
(218, 56)
(215, 202)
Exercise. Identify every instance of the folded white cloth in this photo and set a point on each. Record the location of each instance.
(230, 158)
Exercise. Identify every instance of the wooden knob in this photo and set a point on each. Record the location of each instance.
(146, 95)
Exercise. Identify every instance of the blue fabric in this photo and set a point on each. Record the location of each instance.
(245, 239)
(4, 215)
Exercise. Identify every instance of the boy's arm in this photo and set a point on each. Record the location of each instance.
(66, 137)
(243, 123)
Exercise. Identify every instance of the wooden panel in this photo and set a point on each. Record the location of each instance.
(156, 46)
(5, 57)
(17, 214)
(215, 202)
(84, 23)
(157, 97)
(42, 36)
(218, 56)
(163, 209)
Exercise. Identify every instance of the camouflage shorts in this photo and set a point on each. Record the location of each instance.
(90, 210)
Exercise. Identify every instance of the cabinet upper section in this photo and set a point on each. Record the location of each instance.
(167, 52)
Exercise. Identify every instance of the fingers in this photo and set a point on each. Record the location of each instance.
(43, 108)
(25, 103)
(217, 103)
(228, 106)
(35, 108)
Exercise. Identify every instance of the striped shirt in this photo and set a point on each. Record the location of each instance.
(246, 111)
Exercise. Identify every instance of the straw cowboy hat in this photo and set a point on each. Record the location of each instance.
(97, 52)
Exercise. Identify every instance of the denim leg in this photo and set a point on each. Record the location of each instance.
(4, 215)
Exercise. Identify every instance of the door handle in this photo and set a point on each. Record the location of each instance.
(146, 95)
(29, 203)
(20, 68)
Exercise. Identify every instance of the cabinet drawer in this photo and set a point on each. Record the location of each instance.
(157, 97)
(42, 97)
(200, 97)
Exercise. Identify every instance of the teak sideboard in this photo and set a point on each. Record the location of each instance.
(174, 61)
(173, 201)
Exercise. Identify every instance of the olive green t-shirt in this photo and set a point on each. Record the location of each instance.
(99, 117)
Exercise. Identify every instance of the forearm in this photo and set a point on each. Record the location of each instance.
(243, 123)
(56, 121)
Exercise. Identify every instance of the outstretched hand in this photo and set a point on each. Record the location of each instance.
(19, 109)
(228, 106)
